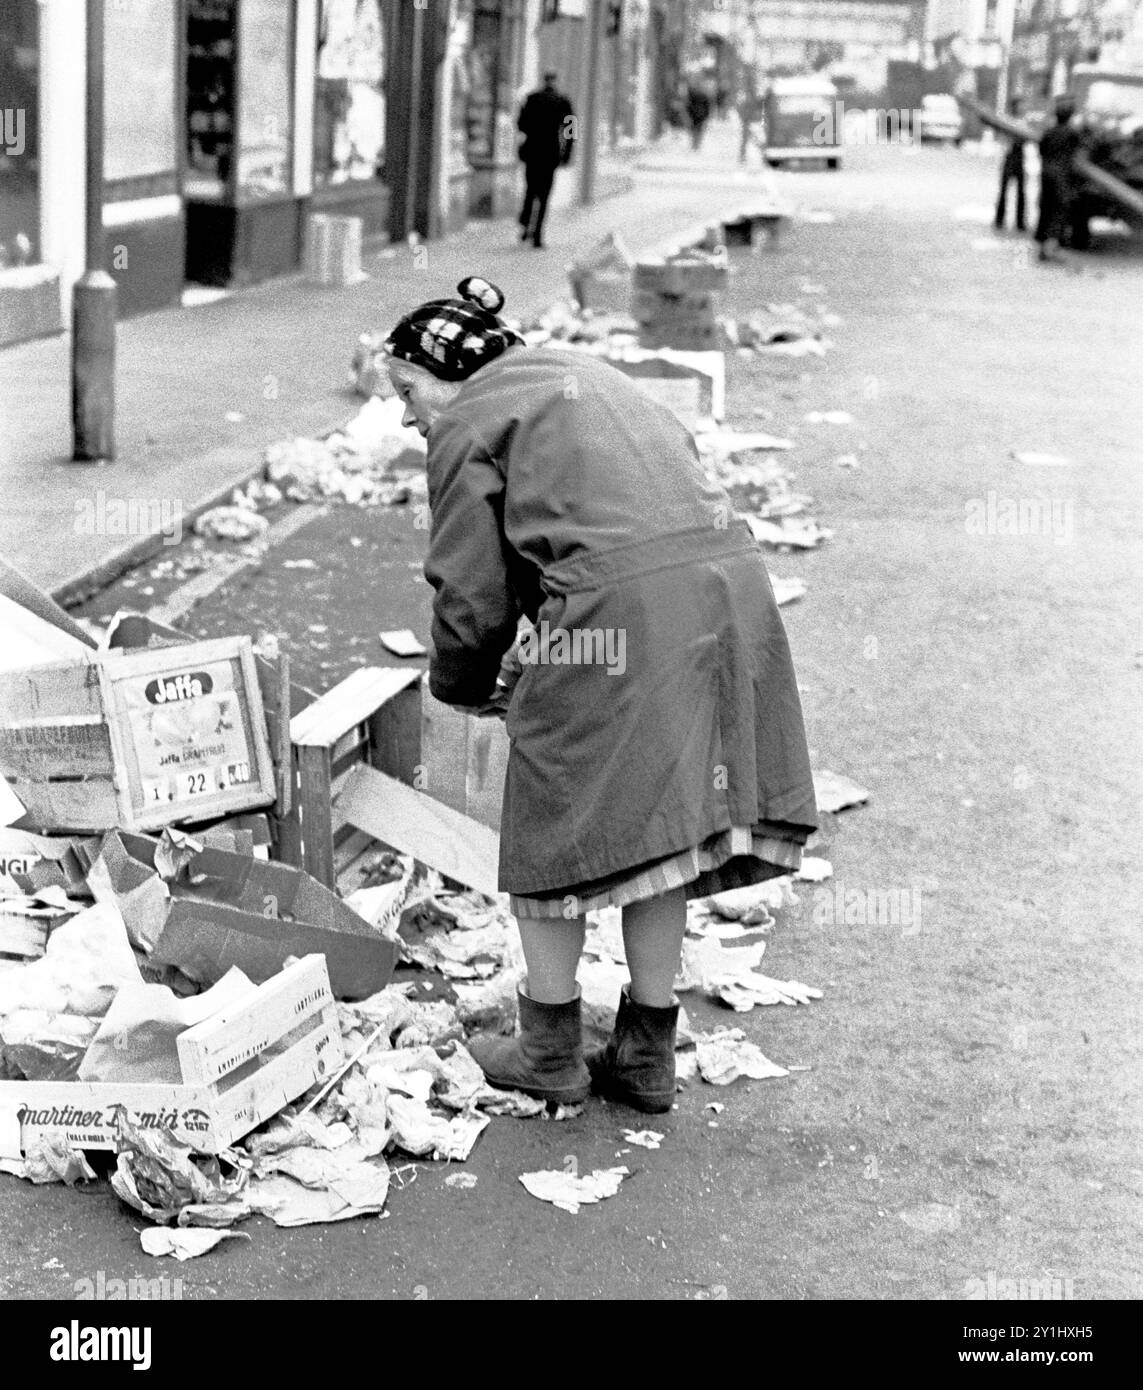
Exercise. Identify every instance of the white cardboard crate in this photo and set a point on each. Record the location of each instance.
(240, 1067)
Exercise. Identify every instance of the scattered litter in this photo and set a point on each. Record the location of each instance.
(834, 792)
(299, 564)
(814, 870)
(166, 1181)
(231, 524)
(184, 1243)
(50, 1158)
(793, 532)
(931, 1218)
(847, 461)
(725, 1055)
(829, 417)
(569, 1193)
(645, 1138)
(1037, 460)
(787, 590)
(403, 642)
(465, 1181)
(234, 417)
(715, 1105)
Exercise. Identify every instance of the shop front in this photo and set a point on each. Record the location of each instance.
(353, 41)
(244, 219)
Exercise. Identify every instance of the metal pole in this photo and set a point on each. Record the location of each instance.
(590, 142)
(94, 303)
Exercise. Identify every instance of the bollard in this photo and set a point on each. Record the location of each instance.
(93, 367)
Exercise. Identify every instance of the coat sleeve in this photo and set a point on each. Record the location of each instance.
(475, 608)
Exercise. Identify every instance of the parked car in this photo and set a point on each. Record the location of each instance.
(941, 119)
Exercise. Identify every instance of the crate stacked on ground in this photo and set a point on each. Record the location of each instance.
(676, 300)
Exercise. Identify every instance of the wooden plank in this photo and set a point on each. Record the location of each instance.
(315, 796)
(239, 1108)
(234, 1036)
(395, 735)
(486, 769)
(416, 824)
(21, 936)
(350, 702)
(64, 806)
(443, 772)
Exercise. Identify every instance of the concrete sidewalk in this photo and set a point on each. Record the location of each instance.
(202, 391)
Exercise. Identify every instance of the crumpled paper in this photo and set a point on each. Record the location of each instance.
(138, 1036)
(833, 792)
(307, 1185)
(186, 1243)
(725, 1055)
(569, 1192)
(50, 1158)
(87, 960)
(164, 1179)
(425, 1135)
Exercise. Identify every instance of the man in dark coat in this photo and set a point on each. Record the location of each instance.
(699, 105)
(547, 122)
(1012, 171)
(1059, 183)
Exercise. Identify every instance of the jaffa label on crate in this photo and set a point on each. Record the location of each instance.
(189, 732)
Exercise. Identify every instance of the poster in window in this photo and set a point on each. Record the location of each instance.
(349, 107)
(140, 44)
(264, 95)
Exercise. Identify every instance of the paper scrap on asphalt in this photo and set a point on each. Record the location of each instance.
(568, 1192)
(644, 1138)
(403, 642)
(725, 1055)
(231, 524)
(715, 1105)
(814, 870)
(829, 417)
(797, 532)
(185, 1243)
(847, 461)
(306, 564)
(754, 903)
(461, 1180)
(833, 792)
(1037, 460)
(787, 590)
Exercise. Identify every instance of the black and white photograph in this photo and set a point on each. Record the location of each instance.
(570, 670)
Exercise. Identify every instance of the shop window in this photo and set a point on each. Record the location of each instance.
(140, 134)
(19, 129)
(210, 99)
(349, 104)
(265, 97)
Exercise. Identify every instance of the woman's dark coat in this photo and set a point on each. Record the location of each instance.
(559, 490)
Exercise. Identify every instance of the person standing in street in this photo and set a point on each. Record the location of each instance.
(656, 745)
(1012, 171)
(698, 111)
(750, 111)
(547, 122)
(1059, 183)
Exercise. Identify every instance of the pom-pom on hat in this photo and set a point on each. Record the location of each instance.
(452, 338)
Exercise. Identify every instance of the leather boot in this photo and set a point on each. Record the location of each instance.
(545, 1059)
(637, 1066)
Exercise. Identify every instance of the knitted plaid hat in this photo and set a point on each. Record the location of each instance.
(453, 337)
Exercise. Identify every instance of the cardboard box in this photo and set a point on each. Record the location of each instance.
(229, 909)
(139, 740)
(239, 1067)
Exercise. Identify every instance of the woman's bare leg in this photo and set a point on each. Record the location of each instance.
(653, 938)
(552, 948)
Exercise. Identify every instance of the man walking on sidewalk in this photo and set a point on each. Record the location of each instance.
(1012, 170)
(547, 122)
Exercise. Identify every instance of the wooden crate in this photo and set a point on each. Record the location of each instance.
(239, 1067)
(82, 743)
(378, 759)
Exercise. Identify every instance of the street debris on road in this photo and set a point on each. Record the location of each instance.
(403, 642)
(644, 1138)
(833, 792)
(569, 1192)
(725, 1055)
(185, 1243)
